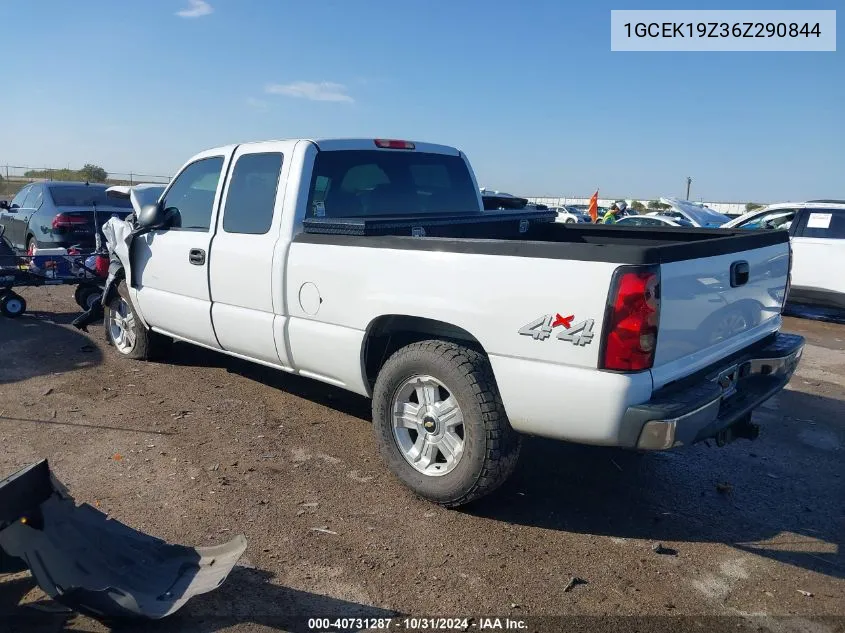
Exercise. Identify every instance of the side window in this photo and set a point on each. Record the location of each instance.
(252, 194)
(191, 197)
(17, 201)
(34, 198)
(825, 223)
(778, 219)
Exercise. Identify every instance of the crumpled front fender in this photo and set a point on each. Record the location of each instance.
(95, 565)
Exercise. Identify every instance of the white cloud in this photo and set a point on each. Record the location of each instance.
(257, 104)
(195, 9)
(315, 91)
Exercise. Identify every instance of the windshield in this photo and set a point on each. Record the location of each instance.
(356, 183)
(84, 196)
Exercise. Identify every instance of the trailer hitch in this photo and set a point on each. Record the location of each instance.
(93, 564)
(744, 429)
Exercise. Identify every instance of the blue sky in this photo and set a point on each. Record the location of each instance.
(530, 90)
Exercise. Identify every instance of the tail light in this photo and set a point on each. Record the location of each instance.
(384, 143)
(631, 320)
(67, 220)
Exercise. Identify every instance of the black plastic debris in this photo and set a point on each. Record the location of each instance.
(93, 564)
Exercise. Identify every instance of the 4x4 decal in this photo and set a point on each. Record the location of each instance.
(540, 329)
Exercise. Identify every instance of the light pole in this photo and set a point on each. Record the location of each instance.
(689, 182)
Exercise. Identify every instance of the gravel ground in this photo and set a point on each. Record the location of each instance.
(205, 447)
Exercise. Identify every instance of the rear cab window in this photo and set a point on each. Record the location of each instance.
(362, 183)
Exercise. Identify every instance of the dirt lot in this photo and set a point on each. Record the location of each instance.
(211, 446)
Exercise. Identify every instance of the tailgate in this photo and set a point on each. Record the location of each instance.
(707, 312)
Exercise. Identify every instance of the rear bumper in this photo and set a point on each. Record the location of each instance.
(679, 415)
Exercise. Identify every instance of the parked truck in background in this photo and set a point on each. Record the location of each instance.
(372, 265)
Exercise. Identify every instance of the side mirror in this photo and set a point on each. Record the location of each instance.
(4, 204)
(151, 217)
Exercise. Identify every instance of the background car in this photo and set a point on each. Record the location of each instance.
(571, 215)
(653, 220)
(55, 214)
(499, 200)
(817, 233)
(698, 214)
(580, 210)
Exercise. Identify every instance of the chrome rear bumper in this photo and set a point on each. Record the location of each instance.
(678, 415)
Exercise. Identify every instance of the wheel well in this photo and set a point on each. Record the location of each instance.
(388, 333)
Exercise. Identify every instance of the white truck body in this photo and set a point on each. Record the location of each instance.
(311, 304)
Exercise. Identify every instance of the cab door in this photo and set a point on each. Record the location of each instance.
(244, 263)
(170, 266)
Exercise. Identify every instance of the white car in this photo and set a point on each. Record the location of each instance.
(817, 232)
(653, 220)
(570, 216)
(371, 265)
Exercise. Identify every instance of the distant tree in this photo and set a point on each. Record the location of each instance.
(93, 173)
(638, 206)
(657, 205)
(753, 206)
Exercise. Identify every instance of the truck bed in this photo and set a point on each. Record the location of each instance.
(581, 242)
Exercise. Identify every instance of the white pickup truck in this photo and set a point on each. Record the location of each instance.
(371, 265)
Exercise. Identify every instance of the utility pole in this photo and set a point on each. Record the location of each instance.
(689, 182)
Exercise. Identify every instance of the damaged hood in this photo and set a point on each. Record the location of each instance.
(698, 214)
(139, 195)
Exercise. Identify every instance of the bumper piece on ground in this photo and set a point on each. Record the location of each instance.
(95, 565)
(719, 399)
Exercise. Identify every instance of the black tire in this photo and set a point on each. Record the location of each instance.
(491, 446)
(148, 344)
(12, 305)
(84, 295)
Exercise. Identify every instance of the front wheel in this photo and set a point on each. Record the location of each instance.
(440, 425)
(126, 333)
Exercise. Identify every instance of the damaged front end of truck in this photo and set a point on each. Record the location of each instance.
(88, 562)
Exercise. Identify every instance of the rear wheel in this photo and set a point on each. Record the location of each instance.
(12, 305)
(126, 333)
(440, 424)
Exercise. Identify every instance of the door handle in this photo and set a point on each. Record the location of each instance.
(197, 256)
(740, 272)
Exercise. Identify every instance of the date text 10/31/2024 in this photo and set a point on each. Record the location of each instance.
(416, 624)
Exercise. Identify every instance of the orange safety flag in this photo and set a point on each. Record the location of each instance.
(594, 206)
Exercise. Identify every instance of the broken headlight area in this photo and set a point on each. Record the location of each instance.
(95, 565)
